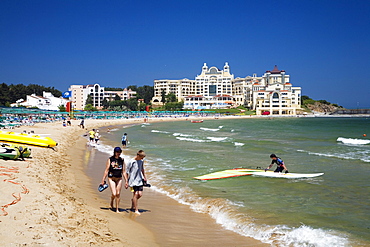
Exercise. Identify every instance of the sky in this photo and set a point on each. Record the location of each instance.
(324, 45)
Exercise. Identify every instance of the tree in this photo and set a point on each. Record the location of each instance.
(171, 97)
(113, 89)
(62, 108)
(116, 97)
(174, 106)
(141, 106)
(132, 104)
(4, 94)
(12, 93)
(163, 95)
(89, 100)
(132, 87)
(89, 107)
(116, 104)
(105, 103)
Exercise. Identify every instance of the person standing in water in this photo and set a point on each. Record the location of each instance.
(115, 169)
(279, 162)
(97, 136)
(92, 136)
(124, 140)
(136, 179)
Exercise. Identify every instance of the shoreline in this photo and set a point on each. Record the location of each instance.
(57, 209)
(171, 222)
(60, 207)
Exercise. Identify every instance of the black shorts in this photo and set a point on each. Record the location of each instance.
(138, 188)
(124, 143)
(91, 138)
(279, 169)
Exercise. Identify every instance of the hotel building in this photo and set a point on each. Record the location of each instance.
(79, 94)
(271, 93)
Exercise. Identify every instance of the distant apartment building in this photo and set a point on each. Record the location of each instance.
(271, 93)
(124, 95)
(45, 102)
(80, 93)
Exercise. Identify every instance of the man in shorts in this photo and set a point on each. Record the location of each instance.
(92, 136)
(124, 140)
(136, 178)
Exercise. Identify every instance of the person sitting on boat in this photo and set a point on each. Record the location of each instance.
(279, 162)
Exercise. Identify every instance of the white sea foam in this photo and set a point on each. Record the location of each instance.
(180, 134)
(353, 141)
(190, 139)
(216, 139)
(160, 131)
(238, 144)
(208, 129)
(224, 213)
(360, 155)
(104, 148)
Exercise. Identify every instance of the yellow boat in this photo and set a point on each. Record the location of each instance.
(29, 139)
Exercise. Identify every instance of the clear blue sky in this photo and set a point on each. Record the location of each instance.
(324, 45)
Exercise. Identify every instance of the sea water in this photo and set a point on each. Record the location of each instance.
(331, 210)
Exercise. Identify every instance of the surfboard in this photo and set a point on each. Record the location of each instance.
(236, 172)
(287, 175)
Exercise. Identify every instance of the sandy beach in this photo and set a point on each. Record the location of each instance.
(49, 200)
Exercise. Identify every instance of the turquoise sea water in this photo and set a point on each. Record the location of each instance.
(332, 210)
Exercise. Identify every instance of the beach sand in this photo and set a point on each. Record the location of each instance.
(54, 203)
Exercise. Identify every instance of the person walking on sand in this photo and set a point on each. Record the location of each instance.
(124, 140)
(69, 121)
(115, 169)
(82, 124)
(279, 162)
(136, 178)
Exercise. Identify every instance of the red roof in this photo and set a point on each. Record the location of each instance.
(194, 96)
(225, 95)
(275, 70)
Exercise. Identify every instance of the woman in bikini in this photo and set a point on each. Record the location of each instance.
(115, 169)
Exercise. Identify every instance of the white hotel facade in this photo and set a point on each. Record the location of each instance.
(79, 94)
(271, 93)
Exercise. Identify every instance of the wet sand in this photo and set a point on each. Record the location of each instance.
(58, 204)
(172, 223)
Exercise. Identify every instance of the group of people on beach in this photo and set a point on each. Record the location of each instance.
(94, 136)
(132, 172)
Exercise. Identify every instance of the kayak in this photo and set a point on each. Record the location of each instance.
(29, 139)
(9, 153)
